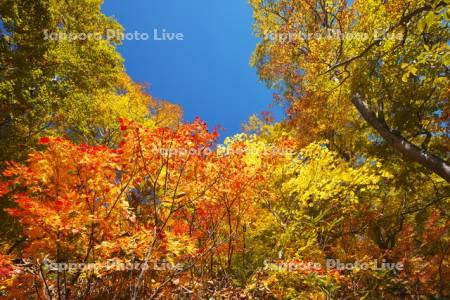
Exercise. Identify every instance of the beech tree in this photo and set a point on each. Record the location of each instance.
(107, 194)
(385, 61)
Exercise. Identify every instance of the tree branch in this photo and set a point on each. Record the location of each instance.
(433, 163)
(402, 22)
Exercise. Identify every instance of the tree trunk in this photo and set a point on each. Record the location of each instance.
(433, 163)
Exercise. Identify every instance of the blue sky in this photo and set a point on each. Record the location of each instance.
(208, 73)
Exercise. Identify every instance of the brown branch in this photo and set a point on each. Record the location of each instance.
(428, 160)
(402, 22)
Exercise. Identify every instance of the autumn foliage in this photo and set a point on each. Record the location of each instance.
(105, 193)
(169, 211)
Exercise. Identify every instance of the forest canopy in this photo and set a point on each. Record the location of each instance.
(108, 193)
